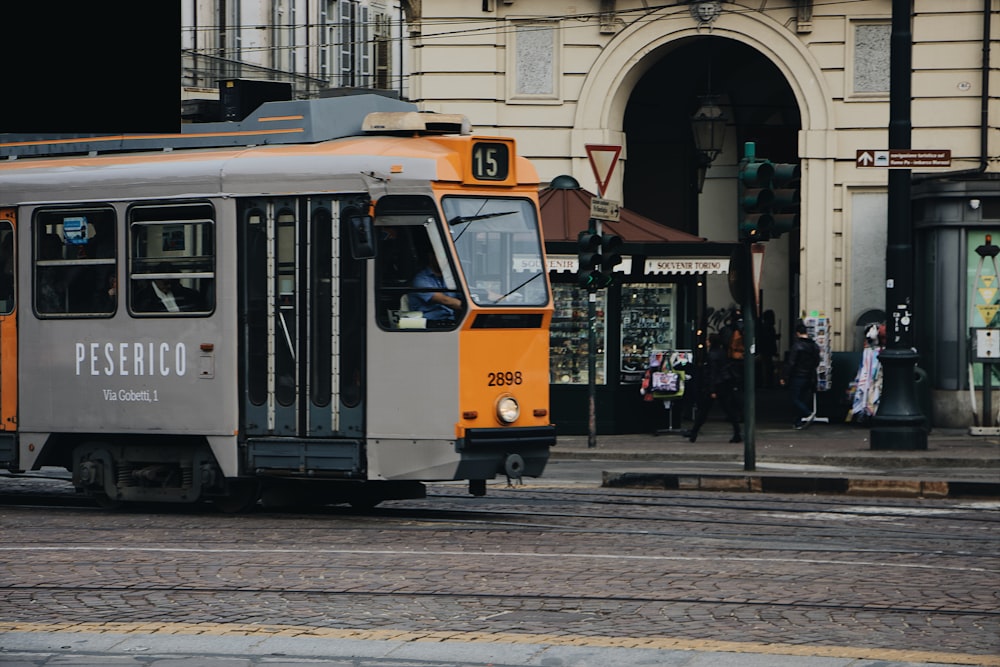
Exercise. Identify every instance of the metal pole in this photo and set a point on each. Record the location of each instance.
(899, 424)
(595, 225)
(749, 372)
(989, 419)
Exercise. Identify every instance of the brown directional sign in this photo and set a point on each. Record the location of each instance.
(604, 209)
(903, 158)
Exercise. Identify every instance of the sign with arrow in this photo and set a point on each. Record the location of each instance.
(903, 158)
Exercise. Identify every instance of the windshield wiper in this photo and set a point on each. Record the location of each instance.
(517, 288)
(459, 219)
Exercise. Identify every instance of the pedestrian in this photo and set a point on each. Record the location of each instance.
(803, 360)
(767, 348)
(714, 382)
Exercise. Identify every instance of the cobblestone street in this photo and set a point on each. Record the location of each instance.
(884, 579)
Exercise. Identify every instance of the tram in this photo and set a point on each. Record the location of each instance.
(234, 312)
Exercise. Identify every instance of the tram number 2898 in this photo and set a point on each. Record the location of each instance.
(504, 378)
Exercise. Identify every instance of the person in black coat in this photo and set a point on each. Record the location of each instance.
(803, 360)
(714, 382)
(163, 295)
(767, 348)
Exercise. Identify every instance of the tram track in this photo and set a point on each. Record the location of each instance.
(804, 522)
(564, 600)
(805, 541)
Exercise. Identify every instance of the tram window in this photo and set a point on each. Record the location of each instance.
(6, 268)
(403, 253)
(76, 265)
(172, 259)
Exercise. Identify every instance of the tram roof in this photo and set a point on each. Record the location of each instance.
(341, 161)
(281, 122)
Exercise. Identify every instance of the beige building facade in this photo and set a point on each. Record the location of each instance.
(801, 81)
(807, 82)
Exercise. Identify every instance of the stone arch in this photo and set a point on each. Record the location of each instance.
(623, 62)
(610, 82)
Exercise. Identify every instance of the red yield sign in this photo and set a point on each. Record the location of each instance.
(603, 160)
(904, 158)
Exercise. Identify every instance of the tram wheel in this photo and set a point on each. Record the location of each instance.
(104, 501)
(364, 504)
(242, 497)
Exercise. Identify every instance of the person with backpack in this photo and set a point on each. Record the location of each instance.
(803, 360)
(714, 382)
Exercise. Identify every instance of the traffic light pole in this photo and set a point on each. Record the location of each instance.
(749, 368)
(595, 225)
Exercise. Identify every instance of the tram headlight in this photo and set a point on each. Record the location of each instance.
(508, 410)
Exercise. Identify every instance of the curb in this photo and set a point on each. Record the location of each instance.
(844, 461)
(803, 483)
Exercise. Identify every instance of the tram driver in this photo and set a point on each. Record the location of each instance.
(437, 306)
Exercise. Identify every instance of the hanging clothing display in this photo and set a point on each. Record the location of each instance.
(866, 389)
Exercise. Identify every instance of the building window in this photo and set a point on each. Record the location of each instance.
(382, 52)
(535, 63)
(353, 44)
(871, 58)
(281, 37)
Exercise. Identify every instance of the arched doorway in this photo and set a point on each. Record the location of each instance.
(784, 102)
(661, 177)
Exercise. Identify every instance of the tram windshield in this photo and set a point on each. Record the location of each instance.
(499, 248)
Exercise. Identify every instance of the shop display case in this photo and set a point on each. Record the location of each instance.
(647, 324)
(569, 347)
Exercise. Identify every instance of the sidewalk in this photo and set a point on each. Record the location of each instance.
(824, 458)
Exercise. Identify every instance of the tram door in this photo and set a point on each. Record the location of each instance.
(8, 337)
(302, 305)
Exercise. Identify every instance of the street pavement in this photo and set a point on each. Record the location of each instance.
(831, 457)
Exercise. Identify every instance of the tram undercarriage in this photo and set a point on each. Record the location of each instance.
(299, 473)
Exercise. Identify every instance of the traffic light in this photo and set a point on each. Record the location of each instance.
(755, 198)
(768, 197)
(785, 207)
(598, 256)
(589, 256)
(611, 252)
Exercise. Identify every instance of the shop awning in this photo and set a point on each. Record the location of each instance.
(651, 266)
(565, 213)
(656, 248)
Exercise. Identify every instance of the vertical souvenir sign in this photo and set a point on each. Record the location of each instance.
(984, 327)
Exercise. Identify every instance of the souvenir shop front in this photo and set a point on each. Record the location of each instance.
(654, 307)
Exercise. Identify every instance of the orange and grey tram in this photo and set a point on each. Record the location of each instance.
(243, 308)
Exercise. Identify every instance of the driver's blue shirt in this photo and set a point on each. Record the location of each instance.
(422, 300)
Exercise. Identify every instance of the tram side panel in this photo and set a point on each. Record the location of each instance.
(147, 387)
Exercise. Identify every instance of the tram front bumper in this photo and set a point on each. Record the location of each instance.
(514, 451)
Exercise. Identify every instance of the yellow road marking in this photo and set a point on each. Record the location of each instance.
(656, 643)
